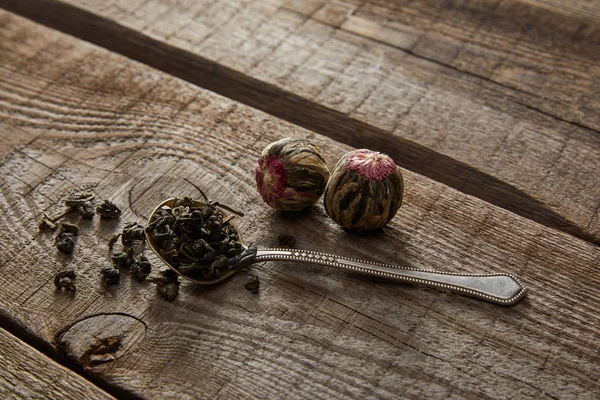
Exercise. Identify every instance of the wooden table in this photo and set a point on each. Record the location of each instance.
(492, 109)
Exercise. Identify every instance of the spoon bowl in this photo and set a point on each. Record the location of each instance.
(156, 248)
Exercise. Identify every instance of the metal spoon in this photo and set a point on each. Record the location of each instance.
(503, 289)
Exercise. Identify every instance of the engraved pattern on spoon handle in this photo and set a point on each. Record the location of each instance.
(503, 289)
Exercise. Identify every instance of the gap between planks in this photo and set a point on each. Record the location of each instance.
(26, 342)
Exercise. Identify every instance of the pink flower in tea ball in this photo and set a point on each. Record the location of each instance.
(291, 174)
(270, 179)
(365, 190)
(371, 164)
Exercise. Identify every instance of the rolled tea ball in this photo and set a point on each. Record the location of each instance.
(291, 174)
(365, 190)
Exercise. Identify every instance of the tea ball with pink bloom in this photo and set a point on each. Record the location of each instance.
(365, 190)
(291, 174)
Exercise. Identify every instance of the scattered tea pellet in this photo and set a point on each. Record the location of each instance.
(168, 275)
(141, 268)
(80, 199)
(65, 243)
(81, 202)
(167, 284)
(64, 280)
(132, 231)
(287, 240)
(111, 275)
(66, 227)
(108, 210)
(123, 259)
(65, 238)
(253, 284)
(168, 290)
(87, 210)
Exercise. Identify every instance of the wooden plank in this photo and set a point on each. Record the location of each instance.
(545, 50)
(138, 136)
(28, 374)
(483, 98)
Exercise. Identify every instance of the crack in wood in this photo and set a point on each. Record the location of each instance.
(8, 323)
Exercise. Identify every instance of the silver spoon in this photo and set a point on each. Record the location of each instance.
(503, 289)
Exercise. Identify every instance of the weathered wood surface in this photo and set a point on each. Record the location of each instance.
(72, 114)
(498, 99)
(28, 374)
(579, 8)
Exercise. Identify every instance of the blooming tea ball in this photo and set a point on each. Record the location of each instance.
(291, 174)
(365, 190)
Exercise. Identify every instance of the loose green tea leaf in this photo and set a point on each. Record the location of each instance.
(253, 284)
(47, 223)
(123, 259)
(81, 202)
(168, 290)
(65, 243)
(132, 231)
(66, 227)
(108, 210)
(111, 275)
(50, 222)
(65, 239)
(87, 210)
(77, 200)
(141, 268)
(167, 284)
(168, 275)
(64, 280)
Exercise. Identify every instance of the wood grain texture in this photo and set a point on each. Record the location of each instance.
(29, 374)
(496, 99)
(578, 8)
(138, 136)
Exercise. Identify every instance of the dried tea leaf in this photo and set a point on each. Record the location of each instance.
(253, 284)
(168, 290)
(108, 210)
(77, 200)
(47, 223)
(66, 227)
(65, 280)
(132, 231)
(65, 242)
(87, 210)
(111, 275)
(141, 268)
(123, 259)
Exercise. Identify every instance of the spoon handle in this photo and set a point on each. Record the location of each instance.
(503, 289)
